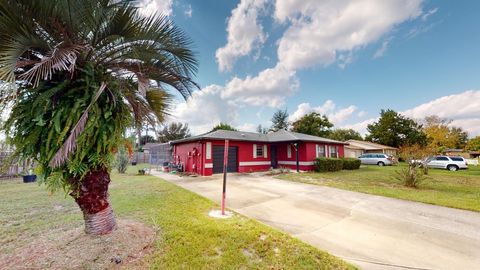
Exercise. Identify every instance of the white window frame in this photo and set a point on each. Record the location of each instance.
(256, 149)
(330, 153)
(265, 151)
(318, 148)
(289, 151)
(208, 150)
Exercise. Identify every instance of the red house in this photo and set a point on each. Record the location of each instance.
(250, 152)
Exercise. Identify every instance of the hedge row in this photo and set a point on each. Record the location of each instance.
(336, 164)
(351, 163)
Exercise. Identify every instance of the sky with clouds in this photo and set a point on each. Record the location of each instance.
(347, 59)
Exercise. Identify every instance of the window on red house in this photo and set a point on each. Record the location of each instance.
(259, 150)
(333, 151)
(320, 151)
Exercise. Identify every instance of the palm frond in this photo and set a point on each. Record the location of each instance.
(160, 102)
(60, 59)
(70, 145)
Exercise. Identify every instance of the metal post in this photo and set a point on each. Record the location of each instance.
(298, 163)
(225, 166)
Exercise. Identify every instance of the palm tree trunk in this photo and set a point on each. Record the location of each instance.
(92, 198)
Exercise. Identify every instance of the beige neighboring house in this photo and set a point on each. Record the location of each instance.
(356, 148)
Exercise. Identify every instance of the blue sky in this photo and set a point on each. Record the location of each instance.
(345, 59)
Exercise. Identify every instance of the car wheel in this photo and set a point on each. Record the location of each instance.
(452, 168)
(381, 164)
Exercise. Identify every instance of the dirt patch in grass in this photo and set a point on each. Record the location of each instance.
(73, 249)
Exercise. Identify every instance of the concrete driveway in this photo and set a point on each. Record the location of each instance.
(372, 232)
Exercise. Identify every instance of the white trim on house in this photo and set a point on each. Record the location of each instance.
(289, 151)
(254, 163)
(265, 150)
(301, 163)
(333, 148)
(254, 151)
(319, 147)
(208, 165)
(208, 150)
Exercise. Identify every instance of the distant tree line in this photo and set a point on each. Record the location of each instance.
(391, 128)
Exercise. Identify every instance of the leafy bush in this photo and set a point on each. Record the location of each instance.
(411, 176)
(351, 163)
(328, 164)
(122, 160)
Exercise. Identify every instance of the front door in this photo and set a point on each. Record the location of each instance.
(273, 156)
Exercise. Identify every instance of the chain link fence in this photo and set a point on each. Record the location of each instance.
(156, 154)
(12, 170)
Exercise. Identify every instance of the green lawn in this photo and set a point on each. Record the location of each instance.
(188, 238)
(459, 189)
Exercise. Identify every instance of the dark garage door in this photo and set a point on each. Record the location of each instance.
(218, 159)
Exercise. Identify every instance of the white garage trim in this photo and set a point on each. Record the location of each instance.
(208, 165)
(301, 163)
(255, 163)
(208, 150)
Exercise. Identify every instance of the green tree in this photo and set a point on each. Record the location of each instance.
(262, 130)
(174, 131)
(223, 126)
(461, 135)
(86, 70)
(280, 120)
(147, 139)
(341, 134)
(473, 144)
(440, 135)
(122, 159)
(313, 124)
(394, 129)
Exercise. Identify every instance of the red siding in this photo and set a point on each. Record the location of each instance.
(192, 156)
(247, 163)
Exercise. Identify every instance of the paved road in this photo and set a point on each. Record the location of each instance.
(372, 232)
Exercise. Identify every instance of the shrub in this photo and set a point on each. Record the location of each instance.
(351, 163)
(122, 160)
(411, 176)
(328, 164)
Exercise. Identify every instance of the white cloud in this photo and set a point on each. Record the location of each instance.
(361, 113)
(319, 31)
(248, 127)
(269, 88)
(462, 108)
(381, 51)
(429, 13)
(471, 125)
(188, 12)
(361, 127)
(342, 115)
(215, 103)
(204, 109)
(149, 7)
(245, 33)
(336, 116)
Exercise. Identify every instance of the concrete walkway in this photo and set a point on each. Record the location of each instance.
(372, 232)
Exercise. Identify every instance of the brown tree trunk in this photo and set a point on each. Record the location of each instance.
(91, 196)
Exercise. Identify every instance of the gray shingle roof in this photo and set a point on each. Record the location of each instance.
(369, 145)
(279, 136)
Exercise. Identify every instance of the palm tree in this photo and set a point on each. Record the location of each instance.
(85, 70)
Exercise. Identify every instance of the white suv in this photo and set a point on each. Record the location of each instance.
(446, 162)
